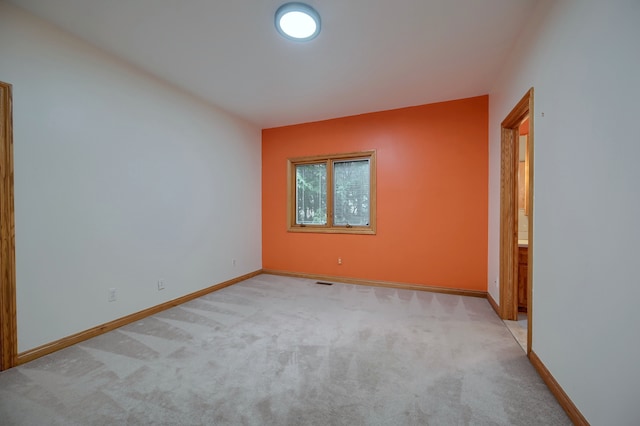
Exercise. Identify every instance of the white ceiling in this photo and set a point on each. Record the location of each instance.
(371, 55)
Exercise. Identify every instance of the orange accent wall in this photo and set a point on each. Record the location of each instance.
(432, 178)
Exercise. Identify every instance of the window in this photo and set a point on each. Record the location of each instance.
(333, 193)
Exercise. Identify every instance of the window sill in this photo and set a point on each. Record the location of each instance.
(321, 230)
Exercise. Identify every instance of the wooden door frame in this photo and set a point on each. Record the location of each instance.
(8, 326)
(509, 147)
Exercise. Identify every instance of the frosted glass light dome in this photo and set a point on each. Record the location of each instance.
(297, 21)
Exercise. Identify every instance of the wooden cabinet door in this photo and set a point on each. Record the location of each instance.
(523, 258)
(522, 287)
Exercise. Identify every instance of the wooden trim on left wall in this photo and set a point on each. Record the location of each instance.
(8, 328)
(48, 348)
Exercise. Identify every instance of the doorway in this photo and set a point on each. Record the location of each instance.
(512, 255)
(8, 330)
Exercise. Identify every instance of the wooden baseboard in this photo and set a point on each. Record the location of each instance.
(563, 399)
(48, 348)
(372, 283)
(494, 305)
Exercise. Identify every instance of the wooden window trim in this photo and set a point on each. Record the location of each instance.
(329, 228)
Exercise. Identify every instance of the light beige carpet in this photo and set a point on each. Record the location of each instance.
(285, 351)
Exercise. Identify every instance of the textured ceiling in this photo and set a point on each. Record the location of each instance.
(371, 55)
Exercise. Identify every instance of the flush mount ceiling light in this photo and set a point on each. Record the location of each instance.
(297, 21)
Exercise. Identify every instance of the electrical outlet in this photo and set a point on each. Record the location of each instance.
(112, 295)
(160, 285)
(339, 261)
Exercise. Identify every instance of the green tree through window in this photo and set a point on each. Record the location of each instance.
(332, 193)
(351, 192)
(311, 190)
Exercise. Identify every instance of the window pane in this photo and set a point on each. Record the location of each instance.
(311, 194)
(351, 192)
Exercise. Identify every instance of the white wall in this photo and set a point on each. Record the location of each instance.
(120, 180)
(583, 59)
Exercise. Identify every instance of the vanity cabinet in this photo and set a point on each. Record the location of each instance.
(523, 269)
